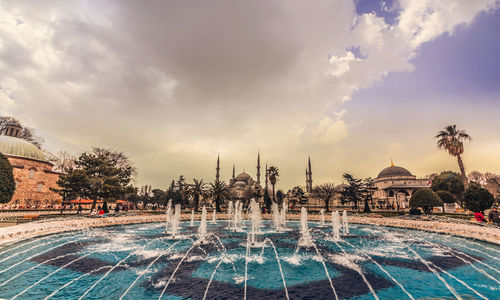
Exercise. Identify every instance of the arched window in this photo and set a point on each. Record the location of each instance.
(39, 187)
(32, 172)
(17, 183)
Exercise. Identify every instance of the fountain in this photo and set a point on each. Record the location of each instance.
(322, 218)
(202, 230)
(305, 239)
(191, 223)
(230, 213)
(255, 217)
(237, 216)
(335, 226)
(168, 214)
(175, 220)
(214, 216)
(276, 216)
(284, 210)
(142, 262)
(345, 225)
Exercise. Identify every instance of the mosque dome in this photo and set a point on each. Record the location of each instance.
(394, 171)
(243, 177)
(17, 147)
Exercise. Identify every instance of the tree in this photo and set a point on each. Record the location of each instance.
(27, 133)
(62, 160)
(446, 197)
(197, 189)
(273, 173)
(325, 192)
(425, 198)
(352, 191)
(477, 198)
(103, 174)
(298, 195)
(452, 140)
(159, 196)
(180, 195)
(451, 182)
(280, 196)
(7, 183)
(367, 189)
(219, 191)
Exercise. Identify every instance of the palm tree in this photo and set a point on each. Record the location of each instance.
(452, 140)
(273, 173)
(197, 189)
(219, 191)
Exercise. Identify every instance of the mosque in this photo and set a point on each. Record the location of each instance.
(33, 174)
(395, 185)
(243, 186)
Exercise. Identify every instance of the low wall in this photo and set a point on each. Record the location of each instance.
(28, 230)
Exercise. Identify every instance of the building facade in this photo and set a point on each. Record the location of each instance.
(395, 185)
(32, 172)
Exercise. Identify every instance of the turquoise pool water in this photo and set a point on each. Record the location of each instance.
(141, 262)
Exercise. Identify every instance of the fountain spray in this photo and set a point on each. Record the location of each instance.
(284, 210)
(276, 215)
(322, 218)
(168, 214)
(230, 212)
(305, 239)
(202, 230)
(335, 225)
(191, 224)
(175, 220)
(345, 225)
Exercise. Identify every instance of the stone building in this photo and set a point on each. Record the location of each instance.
(395, 185)
(32, 172)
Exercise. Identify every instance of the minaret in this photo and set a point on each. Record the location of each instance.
(267, 177)
(217, 175)
(258, 168)
(307, 182)
(233, 171)
(310, 175)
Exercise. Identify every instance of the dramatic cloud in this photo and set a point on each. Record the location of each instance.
(173, 83)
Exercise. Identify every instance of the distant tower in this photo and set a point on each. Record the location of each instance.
(217, 175)
(233, 171)
(258, 168)
(309, 179)
(267, 177)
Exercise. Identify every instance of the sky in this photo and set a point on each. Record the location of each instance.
(173, 84)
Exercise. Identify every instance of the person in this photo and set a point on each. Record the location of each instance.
(479, 217)
(494, 216)
(79, 209)
(117, 209)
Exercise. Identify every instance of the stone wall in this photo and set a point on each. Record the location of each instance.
(33, 190)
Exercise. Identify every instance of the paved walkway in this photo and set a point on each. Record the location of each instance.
(28, 230)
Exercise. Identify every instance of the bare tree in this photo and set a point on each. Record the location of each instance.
(63, 161)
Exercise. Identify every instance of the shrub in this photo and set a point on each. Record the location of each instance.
(7, 183)
(477, 198)
(446, 197)
(426, 199)
(451, 182)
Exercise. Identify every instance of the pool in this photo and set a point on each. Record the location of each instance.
(142, 262)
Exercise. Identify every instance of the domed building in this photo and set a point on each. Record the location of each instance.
(243, 186)
(32, 172)
(395, 185)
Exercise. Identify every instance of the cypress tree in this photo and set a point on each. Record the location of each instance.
(7, 183)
